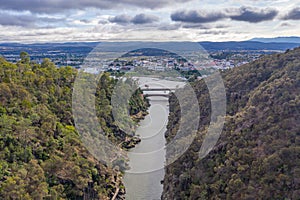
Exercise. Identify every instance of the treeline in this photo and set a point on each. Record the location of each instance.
(41, 154)
(258, 153)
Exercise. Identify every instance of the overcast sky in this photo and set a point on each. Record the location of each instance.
(165, 20)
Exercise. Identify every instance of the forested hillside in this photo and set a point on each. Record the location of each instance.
(258, 153)
(41, 155)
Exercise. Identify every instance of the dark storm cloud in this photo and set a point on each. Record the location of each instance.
(103, 21)
(120, 19)
(7, 19)
(194, 16)
(247, 14)
(16, 20)
(54, 6)
(253, 15)
(293, 14)
(144, 19)
(137, 19)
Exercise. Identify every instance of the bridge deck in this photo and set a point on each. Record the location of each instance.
(158, 89)
(157, 95)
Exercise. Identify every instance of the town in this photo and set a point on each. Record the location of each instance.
(75, 55)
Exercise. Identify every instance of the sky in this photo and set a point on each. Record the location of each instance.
(31, 21)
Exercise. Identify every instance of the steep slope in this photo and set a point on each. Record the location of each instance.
(258, 153)
(41, 154)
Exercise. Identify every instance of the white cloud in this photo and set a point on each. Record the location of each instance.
(98, 20)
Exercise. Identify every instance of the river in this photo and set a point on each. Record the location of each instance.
(146, 161)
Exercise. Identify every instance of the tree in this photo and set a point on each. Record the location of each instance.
(25, 58)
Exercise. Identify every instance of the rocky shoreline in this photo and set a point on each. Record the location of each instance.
(132, 141)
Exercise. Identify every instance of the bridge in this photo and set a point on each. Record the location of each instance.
(157, 95)
(158, 89)
(169, 90)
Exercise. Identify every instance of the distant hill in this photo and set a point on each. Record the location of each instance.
(257, 155)
(247, 45)
(149, 52)
(85, 47)
(49, 44)
(293, 39)
(47, 48)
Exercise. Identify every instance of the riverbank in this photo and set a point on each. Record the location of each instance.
(131, 141)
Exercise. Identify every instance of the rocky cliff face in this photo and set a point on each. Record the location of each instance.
(257, 155)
